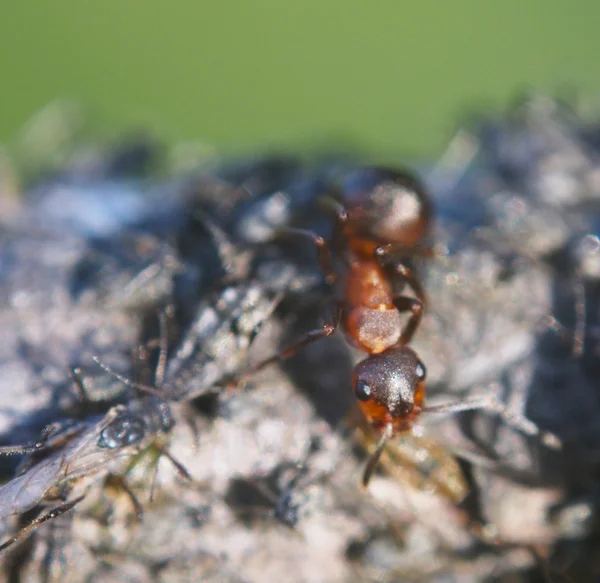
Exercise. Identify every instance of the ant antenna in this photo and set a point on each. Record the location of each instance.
(490, 404)
(125, 380)
(374, 458)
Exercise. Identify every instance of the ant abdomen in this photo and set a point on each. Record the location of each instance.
(386, 206)
(390, 387)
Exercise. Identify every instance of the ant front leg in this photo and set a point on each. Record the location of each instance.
(326, 330)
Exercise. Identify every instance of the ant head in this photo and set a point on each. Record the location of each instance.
(386, 205)
(390, 387)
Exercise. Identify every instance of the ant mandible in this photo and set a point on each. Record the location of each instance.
(382, 219)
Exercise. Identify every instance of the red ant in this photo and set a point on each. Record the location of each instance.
(383, 220)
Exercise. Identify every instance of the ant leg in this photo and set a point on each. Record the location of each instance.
(179, 468)
(335, 207)
(137, 506)
(323, 251)
(161, 365)
(27, 530)
(408, 275)
(575, 337)
(407, 304)
(120, 483)
(580, 317)
(40, 445)
(326, 330)
(189, 417)
(22, 449)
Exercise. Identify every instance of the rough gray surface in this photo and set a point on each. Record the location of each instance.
(275, 472)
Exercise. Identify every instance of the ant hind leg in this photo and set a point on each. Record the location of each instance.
(28, 529)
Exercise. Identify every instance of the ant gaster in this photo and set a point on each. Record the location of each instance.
(382, 219)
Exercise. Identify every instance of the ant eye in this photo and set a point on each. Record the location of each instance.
(420, 371)
(362, 391)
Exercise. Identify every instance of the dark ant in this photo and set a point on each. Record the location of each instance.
(69, 451)
(382, 222)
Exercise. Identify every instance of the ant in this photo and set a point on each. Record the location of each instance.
(382, 220)
(69, 451)
(384, 216)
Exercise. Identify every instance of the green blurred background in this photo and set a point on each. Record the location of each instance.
(391, 78)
